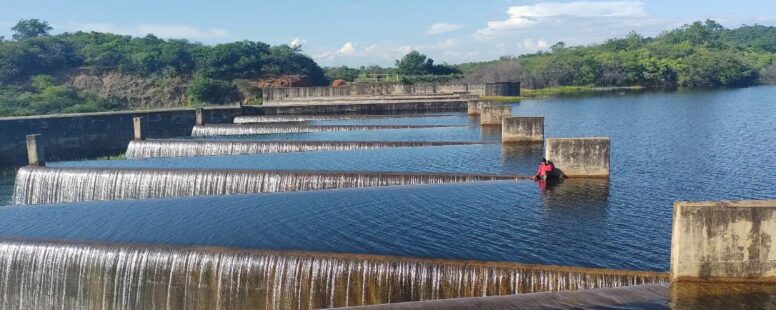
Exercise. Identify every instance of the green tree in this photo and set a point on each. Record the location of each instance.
(30, 28)
(415, 63)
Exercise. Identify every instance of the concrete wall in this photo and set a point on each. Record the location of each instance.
(522, 129)
(385, 89)
(579, 157)
(79, 136)
(724, 241)
(376, 108)
(511, 89)
(494, 115)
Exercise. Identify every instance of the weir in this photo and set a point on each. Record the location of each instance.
(180, 148)
(249, 119)
(45, 185)
(48, 275)
(263, 129)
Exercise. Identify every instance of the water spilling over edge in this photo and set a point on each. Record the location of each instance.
(46, 185)
(182, 148)
(263, 129)
(47, 275)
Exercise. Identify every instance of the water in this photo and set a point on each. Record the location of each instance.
(178, 148)
(43, 185)
(262, 129)
(687, 145)
(131, 277)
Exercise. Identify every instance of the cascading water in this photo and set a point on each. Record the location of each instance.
(45, 185)
(178, 148)
(49, 275)
(262, 129)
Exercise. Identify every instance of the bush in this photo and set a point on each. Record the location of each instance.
(206, 90)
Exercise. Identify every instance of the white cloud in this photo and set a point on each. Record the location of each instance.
(530, 45)
(296, 42)
(528, 16)
(404, 49)
(348, 49)
(440, 28)
(159, 30)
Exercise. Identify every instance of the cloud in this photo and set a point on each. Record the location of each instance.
(348, 49)
(530, 45)
(529, 16)
(296, 42)
(159, 30)
(440, 28)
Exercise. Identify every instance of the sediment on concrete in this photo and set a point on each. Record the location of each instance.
(724, 241)
(47, 185)
(493, 115)
(579, 157)
(182, 277)
(179, 148)
(263, 129)
(522, 129)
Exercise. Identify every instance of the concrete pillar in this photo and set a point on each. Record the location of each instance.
(473, 107)
(494, 115)
(137, 121)
(579, 157)
(36, 155)
(200, 116)
(724, 241)
(522, 130)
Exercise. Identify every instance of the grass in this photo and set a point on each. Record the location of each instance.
(554, 91)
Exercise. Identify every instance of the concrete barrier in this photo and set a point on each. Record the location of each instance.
(522, 129)
(137, 125)
(36, 156)
(473, 107)
(579, 157)
(494, 115)
(724, 241)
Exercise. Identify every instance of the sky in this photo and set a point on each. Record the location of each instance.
(377, 32)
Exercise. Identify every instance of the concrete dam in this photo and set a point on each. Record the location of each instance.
(264, 129)
(131, 276)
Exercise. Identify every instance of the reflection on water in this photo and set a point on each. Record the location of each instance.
(697, 296)
(521, 157)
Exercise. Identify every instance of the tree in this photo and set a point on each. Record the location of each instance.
(415, 63)
(30, 28)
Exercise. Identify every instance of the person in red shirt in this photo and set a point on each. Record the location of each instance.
(545, 167)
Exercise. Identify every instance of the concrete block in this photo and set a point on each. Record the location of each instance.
(579, 157)
(138, 125)
(473, 107)
(724, 241)
(494, 115)
(522, 129)
(36, 155)
(199, 116)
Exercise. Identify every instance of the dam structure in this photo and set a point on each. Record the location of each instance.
(47, 185)
(177, 148)
(93, 275)
(264, 129)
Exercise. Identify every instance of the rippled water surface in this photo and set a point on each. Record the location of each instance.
(688, 145)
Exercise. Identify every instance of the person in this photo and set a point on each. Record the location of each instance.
(545, 167)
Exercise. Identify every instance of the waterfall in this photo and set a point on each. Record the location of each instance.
(58, 275)
(263, 129)
(178, 148)
(45, 185)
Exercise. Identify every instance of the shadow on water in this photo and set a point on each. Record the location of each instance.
(691, 296)
(7, 180)
(521, 157)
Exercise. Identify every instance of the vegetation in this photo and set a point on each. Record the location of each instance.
(412, 68)
(36, 68)
(702, 54)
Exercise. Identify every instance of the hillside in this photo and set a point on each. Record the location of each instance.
(82, 72)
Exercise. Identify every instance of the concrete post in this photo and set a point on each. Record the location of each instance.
(138, 128)
(579, 157)
(36, 155)
(724, 241)
(494, 115)
(473, 107)
(522, 130)
(200, 117)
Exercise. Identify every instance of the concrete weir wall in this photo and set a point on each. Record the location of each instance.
(579, 157)
(724, 241)
(494, 115)
(522, 130)
(78, 136)
(390, 89)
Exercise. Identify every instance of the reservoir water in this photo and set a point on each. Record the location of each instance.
(666, 147)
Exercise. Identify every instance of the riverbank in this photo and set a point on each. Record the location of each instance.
(526, 93)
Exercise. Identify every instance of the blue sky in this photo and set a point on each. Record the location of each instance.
(350, 32)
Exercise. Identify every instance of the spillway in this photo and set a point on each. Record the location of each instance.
(262, 129)
(251, 119)
(180, 148)
(58, 275)
(46, 185)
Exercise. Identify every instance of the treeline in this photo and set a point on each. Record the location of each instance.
(35, 66)
(412, 68)
(702, 54)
